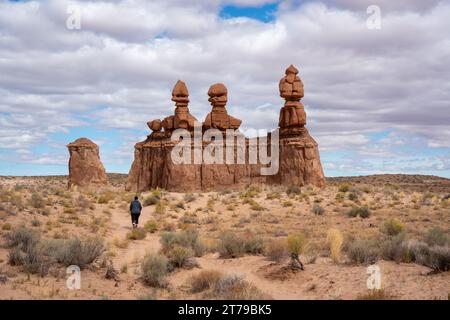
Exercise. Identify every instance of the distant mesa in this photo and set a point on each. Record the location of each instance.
(86, 170)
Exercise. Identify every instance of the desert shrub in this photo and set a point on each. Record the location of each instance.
(234, 287)
(254, 244)
(15, 257)
(335, 241)
(437, 236)
(75, 251)
(434, 257)
(36, 260)
(37, 201)
(6, 226)
(318, 209)
(154, 270)
(22, 237)
(392, 227)
(231, 245)
(105, 197)
(187, 238)
(345, 187)
(353, 196)
(35, 223)
(296, 243)
(204, 280)
(137, 234)
(160, 208)
(273, 195)
(396, 249)
(340, 197)
(363, 212)
(189, 197)
(151, 226)
(151, 200)
(293, 190)
(181, 257)
(256, 206)
(276, 250)
(363, 251)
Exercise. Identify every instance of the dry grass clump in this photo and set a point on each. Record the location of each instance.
(345, 187)
(151, 226)
(378, 294)
(204, 280)
(154, 270)
(137, 234)
(276, 250)
(105, 197)
(335, 241)
(296, 243)
(151, 200)
(215, 285)
(392, 227)
(37, 201)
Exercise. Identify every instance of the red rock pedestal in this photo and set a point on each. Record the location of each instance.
(86, 170)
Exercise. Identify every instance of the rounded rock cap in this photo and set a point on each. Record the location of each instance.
(82, 142)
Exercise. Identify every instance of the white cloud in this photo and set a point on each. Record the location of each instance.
(119, 69)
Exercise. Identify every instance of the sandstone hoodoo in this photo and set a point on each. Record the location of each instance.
(85, 167)
(298, 161)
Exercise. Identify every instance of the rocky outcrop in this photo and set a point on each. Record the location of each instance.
(299, 159)
(86, 170)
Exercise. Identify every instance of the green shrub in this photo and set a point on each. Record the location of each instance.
(154, 270)
(392, 227)
(363, 251)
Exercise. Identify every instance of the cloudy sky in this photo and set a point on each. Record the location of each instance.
(378, 100)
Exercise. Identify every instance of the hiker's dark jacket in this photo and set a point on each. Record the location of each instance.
(135, 207)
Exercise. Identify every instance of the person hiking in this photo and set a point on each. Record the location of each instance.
(135, 210)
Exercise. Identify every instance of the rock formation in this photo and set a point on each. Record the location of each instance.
(299, 153)
(85, 167)
(299, 159)
(218, 118)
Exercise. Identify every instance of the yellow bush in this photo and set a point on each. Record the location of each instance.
(335, 240)
(296, 243)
